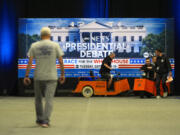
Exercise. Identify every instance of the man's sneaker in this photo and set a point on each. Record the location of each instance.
(42, 124)
(45, 125)
(39, 122)
(158, 97)
(165, 94)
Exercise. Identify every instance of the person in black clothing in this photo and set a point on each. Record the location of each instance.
(148, 73)
(154, 60)
(106, 68)
(148, 69)
(163, 70)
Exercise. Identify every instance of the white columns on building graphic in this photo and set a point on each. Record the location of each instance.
(81, 39)
(90, 37)
(101, 37)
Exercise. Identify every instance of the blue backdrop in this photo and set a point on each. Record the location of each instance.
(8, 38)
(8, 46)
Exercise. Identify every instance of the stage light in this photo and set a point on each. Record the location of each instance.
(7, 34)
(176, 13)
(95, 8)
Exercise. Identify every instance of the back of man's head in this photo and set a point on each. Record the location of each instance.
(159, 50)
(45, 31)
(148, 58)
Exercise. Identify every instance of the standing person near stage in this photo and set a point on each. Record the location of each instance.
(106, 68)
(45, 53)
(163, 70)
(154, 60)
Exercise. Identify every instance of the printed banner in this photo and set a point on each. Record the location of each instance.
(87, 41)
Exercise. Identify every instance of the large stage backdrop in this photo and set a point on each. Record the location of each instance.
(86, 41)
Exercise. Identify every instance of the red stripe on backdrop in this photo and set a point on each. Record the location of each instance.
(34, 68)
(128, 66)
(56, 65)
(131, 64)
(35, 64)
(23, 66)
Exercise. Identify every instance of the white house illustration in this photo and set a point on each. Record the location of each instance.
(95, 32)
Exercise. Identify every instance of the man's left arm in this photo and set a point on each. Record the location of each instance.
(60, 54)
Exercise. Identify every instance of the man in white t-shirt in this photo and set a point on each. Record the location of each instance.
(45, 52)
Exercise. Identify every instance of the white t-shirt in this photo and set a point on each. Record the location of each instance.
(45, 53)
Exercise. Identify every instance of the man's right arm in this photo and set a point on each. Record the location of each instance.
(27, 80)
